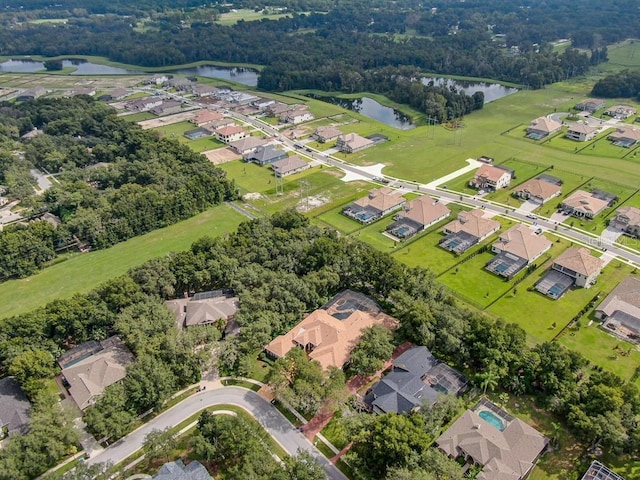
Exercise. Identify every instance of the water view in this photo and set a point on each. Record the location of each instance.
(374, 110)
(244, 76)
(240, 75)
(492, 91)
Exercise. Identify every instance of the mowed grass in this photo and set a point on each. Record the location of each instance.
(82, 272)
(138, 117)
(536, 313)
(598, 346)
(246, 15)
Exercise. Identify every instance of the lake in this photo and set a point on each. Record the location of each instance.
(492, 91)
(240, 75)
(370, 108)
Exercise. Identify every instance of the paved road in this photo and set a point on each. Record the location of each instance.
(266, 414)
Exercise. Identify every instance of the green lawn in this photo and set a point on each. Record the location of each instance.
(598, 346)
(84, 271)
(176, 130)
(246, 15)
(138, 117)
(341, 222)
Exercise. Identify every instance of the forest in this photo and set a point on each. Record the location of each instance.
(281, 268)
(625, 84)
(335, 50)
(114, 181)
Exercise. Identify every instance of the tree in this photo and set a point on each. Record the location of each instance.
(488, 380)
(303, 467)
(159, 444)
(53, 65)
(373, 348)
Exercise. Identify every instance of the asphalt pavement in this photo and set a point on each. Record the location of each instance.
(289, 438)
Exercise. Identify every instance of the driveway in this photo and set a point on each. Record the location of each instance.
(289, 438)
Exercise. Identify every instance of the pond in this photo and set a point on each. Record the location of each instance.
(82, 67)
(374, 110)
(492, 91)
(240, 75)
(244, 76)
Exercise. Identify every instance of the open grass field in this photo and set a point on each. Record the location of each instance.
(138, 117)
(176, 132)
(598, 347)
(246, 15)
(82, 272)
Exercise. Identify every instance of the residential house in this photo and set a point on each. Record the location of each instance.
(467, 230)
(31, 94)
(277, 108)
(598, 471)
(416, 379)
(239, 98)
(203, 90)
(204, 117)
(91, 367)
(516, 248)
(265, 155)
(289, 166)
(248, 145)
(326, 134)
(375, 205)
(537, 190)
(157, 80)
(590, 105)
(117, 94)
(205, 308)
(143, 104)
(229, 134)
(329, 334)
(505, 447)
(621, 112)
(32, 133)
(620, 310)
(575, 266)
(491, 177)
(179, 471)
(583, 204)
(352, 142)
(14, 408)
(628, 219)
(167, 108)
(581, 132)
(83, 91)
(262, 103)
(542, 127)
(299, 114)
(625, 136)
(180, 83)
(218, 124)
(418, 214)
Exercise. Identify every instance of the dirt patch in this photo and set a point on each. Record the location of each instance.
(221, 155)
(313, 202)
(168, 120)
(252, 196)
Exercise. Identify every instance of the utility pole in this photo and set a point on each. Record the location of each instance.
(431, 127)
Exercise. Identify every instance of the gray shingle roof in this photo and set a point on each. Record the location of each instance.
(179, 471)
(14, 406)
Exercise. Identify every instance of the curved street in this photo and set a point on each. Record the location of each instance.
(289, 438)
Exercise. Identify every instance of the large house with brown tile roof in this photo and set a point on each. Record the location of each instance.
(248, 145)
(329, 334)
(296, 115)
(627, 219)
(326, 134)
(516, 248)
(352, 142)
(590, 105)
(505, 447)
(537, 190)
(581, 132)
(583, 204)
(574, 267)
(418, 214)
(620, 310)
(625, 136)
(375, 205)
(467, 230)
(491, 177)
(90, 372)
(230, 134)
(203, 117)
(542, 127)
(621, 112)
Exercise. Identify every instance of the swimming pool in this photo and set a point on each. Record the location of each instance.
(492, 419)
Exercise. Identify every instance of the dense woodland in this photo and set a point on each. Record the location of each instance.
(281, 268)
(115, 180)
(625, 84)
(339, 48)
